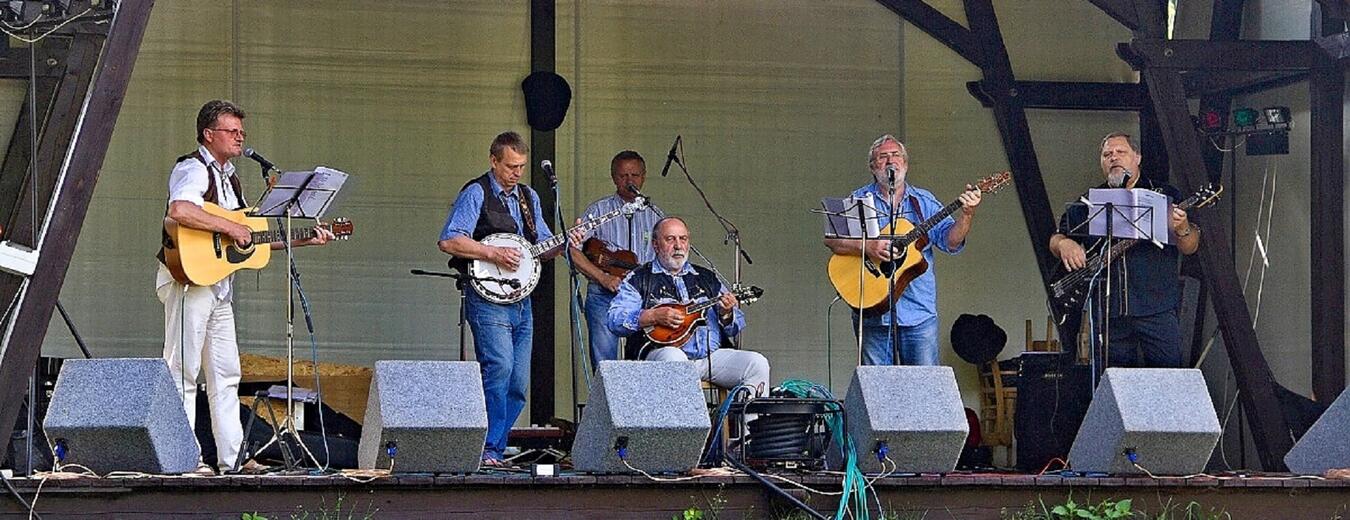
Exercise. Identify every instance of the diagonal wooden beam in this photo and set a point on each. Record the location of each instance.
(999, 84)
(1120, 10)
(1253, 374)
(97, 107)
(939, 26)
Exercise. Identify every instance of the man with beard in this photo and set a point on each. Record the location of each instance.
(672, 279)
(1143, 308)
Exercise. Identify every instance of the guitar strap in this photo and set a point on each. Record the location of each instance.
(211, 195)
(527, 217)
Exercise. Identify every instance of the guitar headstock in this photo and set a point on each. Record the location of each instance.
(995, 182)
(748, 295)
(1205, 196)
(341, 227)
(639, 203)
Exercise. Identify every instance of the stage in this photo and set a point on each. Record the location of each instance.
(518, 495)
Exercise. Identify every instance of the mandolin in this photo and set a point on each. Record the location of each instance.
(694, 318)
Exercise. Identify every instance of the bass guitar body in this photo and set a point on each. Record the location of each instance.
(200, 257)
(874, 296)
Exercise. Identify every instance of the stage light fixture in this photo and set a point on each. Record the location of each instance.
(1277, 115)
(1245, 117)
(1211, 120)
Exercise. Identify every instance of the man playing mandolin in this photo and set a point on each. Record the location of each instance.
(915, 312)
(1145, 286)
(641, 304)
(199, 333)
(619, 245)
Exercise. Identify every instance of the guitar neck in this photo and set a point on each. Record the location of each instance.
(923, 227)
(585, 227)
(275, 235)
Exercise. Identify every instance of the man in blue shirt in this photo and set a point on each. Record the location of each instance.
(915, 313)
(672, 279)
(496, 202)
(1145, 288)
(632, 233)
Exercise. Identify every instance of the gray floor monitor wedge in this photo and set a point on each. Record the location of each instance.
(1164, 416)
(1326, 444)
(432, 412)
(655, 408)
(121, 415)
(915, 412)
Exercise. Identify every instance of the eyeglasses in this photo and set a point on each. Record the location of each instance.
(232, 131)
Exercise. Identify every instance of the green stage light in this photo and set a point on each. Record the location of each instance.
(1245, 117)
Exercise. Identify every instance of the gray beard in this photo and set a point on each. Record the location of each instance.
(1115, 179)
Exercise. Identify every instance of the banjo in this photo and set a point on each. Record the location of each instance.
(502, 286)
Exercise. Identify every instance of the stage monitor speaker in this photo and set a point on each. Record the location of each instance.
(1161, 416)
(1325, 445)
(652, 410)
(914, 411)
(430, 413)
(121, 415)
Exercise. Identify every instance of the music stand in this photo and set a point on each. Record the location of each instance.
(1138, 209)
(304, 194)
(852, 218)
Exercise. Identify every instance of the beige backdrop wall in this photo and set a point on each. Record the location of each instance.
(776, 101)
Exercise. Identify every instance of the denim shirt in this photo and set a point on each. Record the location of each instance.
(919, 301)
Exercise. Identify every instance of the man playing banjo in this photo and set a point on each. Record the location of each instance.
(496, 202)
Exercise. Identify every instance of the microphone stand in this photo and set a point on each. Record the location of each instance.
(733, 236)
(574, 299)
(462, 285)
(890, 285)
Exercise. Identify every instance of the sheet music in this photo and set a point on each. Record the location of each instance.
(841, 217)
(320, 187)
(1139, 213)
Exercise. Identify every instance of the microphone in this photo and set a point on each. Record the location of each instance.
(632, 189)
(547, 166)
(890, 175)
(266, 164)
(670, 157)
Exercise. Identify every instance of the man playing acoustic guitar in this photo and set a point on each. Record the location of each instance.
(199, 333)
(611, 245)
(915, 312)
(672, 279)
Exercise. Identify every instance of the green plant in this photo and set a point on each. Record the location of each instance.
(1107, 510)
(252, 516)
(336, 513)
(693, 513)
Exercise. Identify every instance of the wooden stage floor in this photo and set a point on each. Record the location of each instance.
(518, 496)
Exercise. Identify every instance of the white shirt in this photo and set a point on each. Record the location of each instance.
(188, 182)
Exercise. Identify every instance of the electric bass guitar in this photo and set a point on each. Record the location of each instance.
(874, 295)
(1070, 288)
(500, 285)
(616, 263)
(201, 257)
(694, 317)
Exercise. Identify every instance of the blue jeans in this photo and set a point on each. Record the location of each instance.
(604, 344)
(918, 343)
(502, 336)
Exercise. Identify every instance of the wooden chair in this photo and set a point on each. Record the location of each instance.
(997, 402)
(715, 396)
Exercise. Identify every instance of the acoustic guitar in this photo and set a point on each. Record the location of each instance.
(1069, 289)
(201, 257)
(873, 297)
(693, 318)
(616, 263)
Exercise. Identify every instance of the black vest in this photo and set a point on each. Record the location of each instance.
(654, 287)
(212, 195)
(494, 217)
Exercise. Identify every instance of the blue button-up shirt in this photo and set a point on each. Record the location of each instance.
(627, 306)
(919, 301)
(468, 206)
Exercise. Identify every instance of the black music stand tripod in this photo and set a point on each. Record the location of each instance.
(306, 195)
